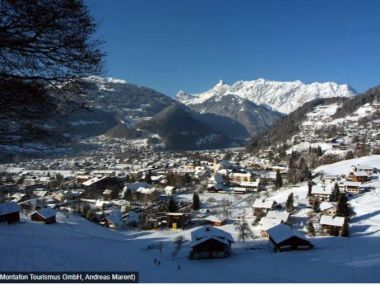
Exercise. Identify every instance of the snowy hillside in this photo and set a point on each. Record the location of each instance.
(343, 167)
(283, 97)
(75, 244)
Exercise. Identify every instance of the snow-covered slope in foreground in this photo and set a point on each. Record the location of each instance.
(283, 97)
(75, 244)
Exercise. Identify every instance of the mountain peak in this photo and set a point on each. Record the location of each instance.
(283, 97)
(219, 84)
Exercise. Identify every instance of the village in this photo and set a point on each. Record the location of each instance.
(213, 200)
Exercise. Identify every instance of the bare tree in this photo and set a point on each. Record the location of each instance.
(45, 47)
(47, 40)
(226, 204)
(244, 230)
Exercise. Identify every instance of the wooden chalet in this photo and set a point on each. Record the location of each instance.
(328, 208)
(46, 215)
(9, 212)
(209, 242)
(283, 238)
(359, 176)
(353, 188)
(251, 186)
(323, 194)
(332, 224)
(331, 178)
(365, 168)
(262, 206)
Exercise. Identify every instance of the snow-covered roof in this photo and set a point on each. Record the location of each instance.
(249, 184)
(209, 231)
(40, 193)
(214, 219)
(199, 241)
(360, 173)
(169, 188)
(157, 177)
(241, 174)
(93, 181)
(144, 190)
(263, 203)
(332, 221)
(46, 213)
(281, 232)
(267, 223)
(321, 190)
(326, 205)
(352, 184)
(363, 167)
(217, 186)
(8, 208)
(283, 216)
(100, 203)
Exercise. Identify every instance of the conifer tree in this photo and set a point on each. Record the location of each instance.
(342, 207)
(278, 183)
(148, 177)
(319, 151)
(309, 187)
(316, 206)
(290, 203)
(172, 205)
(335, 193)
(196, 201)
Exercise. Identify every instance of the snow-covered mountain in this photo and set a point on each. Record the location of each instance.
(251, 117)
(283, 97)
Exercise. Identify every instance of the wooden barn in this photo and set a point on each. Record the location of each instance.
(284, 238)
(9, 212)
(46, 215)
(209, 242)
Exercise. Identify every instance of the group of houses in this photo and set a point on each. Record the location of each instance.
(10, 213)
(211, 242)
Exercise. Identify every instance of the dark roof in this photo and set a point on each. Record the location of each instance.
(9, 208)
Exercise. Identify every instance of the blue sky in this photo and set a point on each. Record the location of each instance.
(170, 45)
